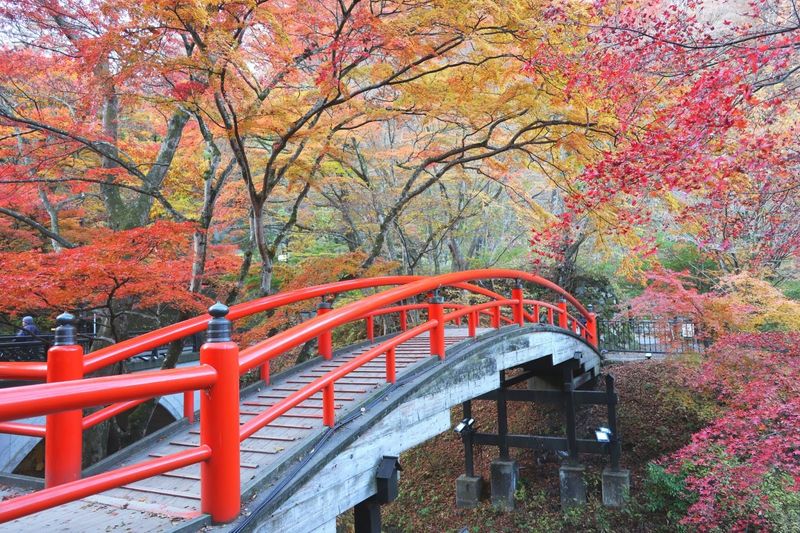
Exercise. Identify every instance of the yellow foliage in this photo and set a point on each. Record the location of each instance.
(746, 303)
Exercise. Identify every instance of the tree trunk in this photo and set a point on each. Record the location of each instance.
(244, 269)
(52, 213)
(265, 285)
(200, 252)
(455, 251)
(564, 272)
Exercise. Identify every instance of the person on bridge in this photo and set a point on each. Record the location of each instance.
(28, 329)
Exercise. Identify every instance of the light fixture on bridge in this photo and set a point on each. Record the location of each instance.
(603, 435)
(465, 424)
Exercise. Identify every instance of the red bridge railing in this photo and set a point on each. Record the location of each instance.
(67, 393)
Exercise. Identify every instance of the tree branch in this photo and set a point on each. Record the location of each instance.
(38, 227)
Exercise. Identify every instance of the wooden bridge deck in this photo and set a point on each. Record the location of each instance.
(169, 501)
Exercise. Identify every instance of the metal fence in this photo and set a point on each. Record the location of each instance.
(650, 336)
(30, 349)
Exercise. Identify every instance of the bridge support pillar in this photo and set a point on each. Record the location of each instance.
(468, 485)
(573, 485)
(367, 515)
(503, 471)
(504, 474)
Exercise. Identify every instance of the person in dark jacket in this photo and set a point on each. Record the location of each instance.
(29, 329)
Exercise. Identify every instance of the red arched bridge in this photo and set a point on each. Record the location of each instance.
(294, 450)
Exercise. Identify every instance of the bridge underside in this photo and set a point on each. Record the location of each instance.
(298, 475)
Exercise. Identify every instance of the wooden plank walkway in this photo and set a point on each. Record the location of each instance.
(164, 502)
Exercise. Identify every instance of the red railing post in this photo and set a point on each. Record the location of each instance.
(63, 442)
(436, 312)
(472, 323)
(188, 405)
(562, 313)
(371, 327)
(536, 311)
(391, 369)
(550, 316)
(265, 373)
(220, 490)
(591, 327)
(495, 320)
(403, 320)
(328, 406)
(324, 340)
(517, 308)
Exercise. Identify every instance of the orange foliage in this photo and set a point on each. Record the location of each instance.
(312, 271)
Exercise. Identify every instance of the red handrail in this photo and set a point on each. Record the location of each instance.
(222, 360)
(180, 330)
(412, 307)
(325, 382)
(297, 335)
(26, 371)
(477, 307)
(111, 411)
(130, 347)
(46, 398)
(21, 428)
(75, 490)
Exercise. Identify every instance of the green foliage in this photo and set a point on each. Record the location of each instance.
(666, 494)
(784, 502)
(686, 257)
(791, 289)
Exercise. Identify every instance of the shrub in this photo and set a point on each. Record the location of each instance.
(743, 470)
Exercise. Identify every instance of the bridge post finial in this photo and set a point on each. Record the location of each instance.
(65, 332)
(219, 327)
(436, 298)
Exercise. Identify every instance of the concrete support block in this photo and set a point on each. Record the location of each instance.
(616, 487)
(573, 485)
(468, 491)
(504, 474)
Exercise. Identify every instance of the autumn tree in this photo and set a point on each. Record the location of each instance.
(702, 98)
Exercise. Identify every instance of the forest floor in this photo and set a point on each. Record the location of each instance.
(655, 418)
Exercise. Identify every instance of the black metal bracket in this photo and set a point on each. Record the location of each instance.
(367, 514)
